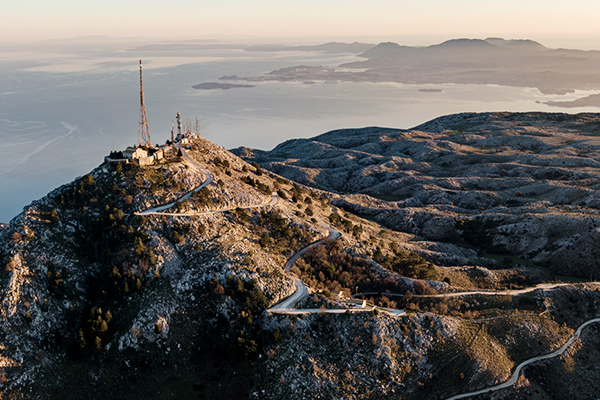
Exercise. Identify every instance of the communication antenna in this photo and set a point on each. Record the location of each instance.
(143, 131)
(179, 124)
(197, 126)
(172, 133)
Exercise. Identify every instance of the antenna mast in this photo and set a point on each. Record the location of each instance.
(143, 131)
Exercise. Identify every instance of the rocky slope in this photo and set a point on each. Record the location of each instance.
(507, 183)
(101, 302)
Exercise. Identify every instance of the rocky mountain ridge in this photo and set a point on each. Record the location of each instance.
(174, 303)
(521, 184)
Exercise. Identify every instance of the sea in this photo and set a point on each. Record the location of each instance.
(62, 111)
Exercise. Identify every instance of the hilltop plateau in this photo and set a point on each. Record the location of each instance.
(169, 280)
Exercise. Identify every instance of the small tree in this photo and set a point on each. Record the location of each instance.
(12, 264)
(16, 237)
(88, 180)
(219, 290)
(54, 216)
(265, 240)
(241, 214)
(138, 247)
(102, 327)
(81, 340)
(281, 194)
(175, 237)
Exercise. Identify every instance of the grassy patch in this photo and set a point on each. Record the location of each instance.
(530, 342)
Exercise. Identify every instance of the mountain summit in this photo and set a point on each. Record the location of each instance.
(362, 263)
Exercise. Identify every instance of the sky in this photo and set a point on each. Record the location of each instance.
(32, 20)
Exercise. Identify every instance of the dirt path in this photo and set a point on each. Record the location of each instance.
(195, 166)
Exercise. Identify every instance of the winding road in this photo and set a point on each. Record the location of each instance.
(287, 305)
(515, 376)
(159, 210)
(195, 166)
(543, 286)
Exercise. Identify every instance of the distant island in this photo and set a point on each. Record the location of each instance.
(587, 101)
(491, 61)
(430, 90)
(223, 86)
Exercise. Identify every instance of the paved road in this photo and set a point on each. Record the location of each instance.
(287, 305)
(333, 234)
(209, 178)
(544, 286)
(515, 376)
(296, 311)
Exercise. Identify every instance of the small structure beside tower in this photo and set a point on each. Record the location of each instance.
(144, 152)
(184, 136)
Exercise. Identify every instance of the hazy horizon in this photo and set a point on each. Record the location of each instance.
(268, 19)
(579, 42)
(61, 112)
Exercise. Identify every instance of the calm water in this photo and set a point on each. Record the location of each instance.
(60, 113)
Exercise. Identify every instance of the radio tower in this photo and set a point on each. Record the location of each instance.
(143, 132)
